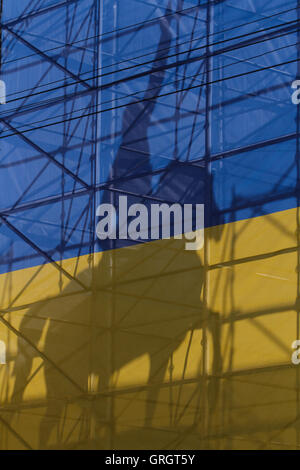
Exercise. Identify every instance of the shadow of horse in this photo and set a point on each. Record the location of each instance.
(134, 300)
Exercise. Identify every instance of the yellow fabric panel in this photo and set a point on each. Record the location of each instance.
(154, 346)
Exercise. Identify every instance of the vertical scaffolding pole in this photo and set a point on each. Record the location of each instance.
(111, 345)
(93, 385)
(208, 60)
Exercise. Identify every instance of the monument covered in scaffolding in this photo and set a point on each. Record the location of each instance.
(126, 344)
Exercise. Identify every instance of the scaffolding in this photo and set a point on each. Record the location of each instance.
(122, 345)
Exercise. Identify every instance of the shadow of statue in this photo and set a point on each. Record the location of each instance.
(134, 300)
